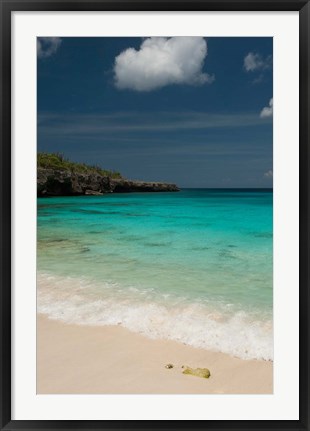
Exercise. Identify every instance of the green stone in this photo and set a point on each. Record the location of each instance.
(198, 372)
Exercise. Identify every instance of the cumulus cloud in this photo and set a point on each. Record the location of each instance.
(268, 174)
(254, 61)
(162, 61)
(47, 46)
(267, 111)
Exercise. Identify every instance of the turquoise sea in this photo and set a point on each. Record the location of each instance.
(193, 266)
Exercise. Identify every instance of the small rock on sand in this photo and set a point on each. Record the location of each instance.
(198, 372)
(169, 366)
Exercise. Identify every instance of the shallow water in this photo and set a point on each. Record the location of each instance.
(194, 266)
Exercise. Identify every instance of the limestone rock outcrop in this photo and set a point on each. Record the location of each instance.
(52, 182)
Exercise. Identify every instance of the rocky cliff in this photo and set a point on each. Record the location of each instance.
(53, 182)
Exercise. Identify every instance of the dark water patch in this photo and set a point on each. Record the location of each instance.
(96, 212)
(264, 235)
(134, 214)
(200, 248)
(104, 226)
(106, 204)
(61, 241)
(113, 254)
(171, 216)
(226, 254)
(131, 237)
(63, 244)
(96, 232)
(40, 207)
(43, 214)
(202, 224)
(157, 244)
(56, 206)
(53, 220)
(232, 246)
(117, 259)
(119, 213)
(120, 204)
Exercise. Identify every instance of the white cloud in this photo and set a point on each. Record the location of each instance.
(253, 61)
(268, 174)
(268, 110)
(162, 61)
(47, 46)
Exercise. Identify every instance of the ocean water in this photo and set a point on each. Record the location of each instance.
(193, 266)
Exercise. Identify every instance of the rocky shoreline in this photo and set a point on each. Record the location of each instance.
(52, 182)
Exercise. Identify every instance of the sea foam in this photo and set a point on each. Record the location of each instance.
(204, 325)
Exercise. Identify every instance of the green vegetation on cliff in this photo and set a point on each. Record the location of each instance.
(57, 161)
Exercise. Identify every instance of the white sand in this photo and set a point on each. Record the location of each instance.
(75, 359)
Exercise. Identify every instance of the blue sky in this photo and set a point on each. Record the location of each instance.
(193, 111)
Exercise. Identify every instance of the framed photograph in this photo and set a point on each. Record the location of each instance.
(154, 214)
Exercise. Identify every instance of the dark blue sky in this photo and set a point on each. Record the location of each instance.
(193, 111)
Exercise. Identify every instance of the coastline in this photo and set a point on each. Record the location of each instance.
(73, 359)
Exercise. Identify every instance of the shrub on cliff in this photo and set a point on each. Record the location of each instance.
(58, 161)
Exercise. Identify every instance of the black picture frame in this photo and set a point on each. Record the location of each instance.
(6, 8)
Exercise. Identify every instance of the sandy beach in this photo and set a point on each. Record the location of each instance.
(74, 359)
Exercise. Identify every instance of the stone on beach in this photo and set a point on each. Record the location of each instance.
(168, 366)
(198, 372)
